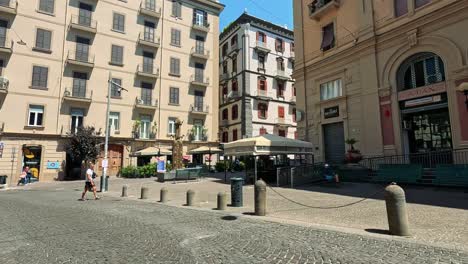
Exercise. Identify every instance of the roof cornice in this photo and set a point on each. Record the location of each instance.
(257, 22)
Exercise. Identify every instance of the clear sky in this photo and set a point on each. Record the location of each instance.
(276, 11)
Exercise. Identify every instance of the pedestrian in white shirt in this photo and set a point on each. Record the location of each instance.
(89, 184)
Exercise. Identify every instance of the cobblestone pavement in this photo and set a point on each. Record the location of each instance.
(51, 226)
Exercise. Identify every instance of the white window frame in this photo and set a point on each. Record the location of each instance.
(76, 112)
(330, 90)
(171, 128)
(114, 122)
(36, 109)
(145, 126)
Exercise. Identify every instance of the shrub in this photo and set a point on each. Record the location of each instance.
(129, 172)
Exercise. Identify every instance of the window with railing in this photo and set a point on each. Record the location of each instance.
(79, 84)
(85, 14)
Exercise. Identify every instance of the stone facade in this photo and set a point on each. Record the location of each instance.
(56, 61)
(374, 45)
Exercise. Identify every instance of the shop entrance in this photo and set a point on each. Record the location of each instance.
(32, 159)
(428, 131)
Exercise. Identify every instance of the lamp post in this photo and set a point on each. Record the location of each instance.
(105, 163)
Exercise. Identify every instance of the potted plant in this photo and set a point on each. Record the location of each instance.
(352, 155)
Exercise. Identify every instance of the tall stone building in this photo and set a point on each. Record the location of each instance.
(257, 94)
(55, 61)
(391, 74)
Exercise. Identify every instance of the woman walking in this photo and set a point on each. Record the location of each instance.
(89, 183)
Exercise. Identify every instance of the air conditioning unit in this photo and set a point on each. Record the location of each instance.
(140, 101)
(4, 82)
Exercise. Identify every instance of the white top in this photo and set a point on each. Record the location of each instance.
(89, 175)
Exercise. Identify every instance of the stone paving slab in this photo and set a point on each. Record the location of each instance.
(437, 216)
(44, 225)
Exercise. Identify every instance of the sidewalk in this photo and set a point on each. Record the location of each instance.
(437, 216)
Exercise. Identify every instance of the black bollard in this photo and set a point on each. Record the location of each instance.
(236, 192)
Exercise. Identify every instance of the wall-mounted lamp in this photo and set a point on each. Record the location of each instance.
(463, 87)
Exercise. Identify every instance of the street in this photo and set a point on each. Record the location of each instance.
(51, 226)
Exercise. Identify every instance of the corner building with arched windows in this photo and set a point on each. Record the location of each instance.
(391, 74)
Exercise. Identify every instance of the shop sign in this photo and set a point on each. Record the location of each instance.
(423, 101)
(331, 112)
(53, 165)
(422, 91)
(2, 145)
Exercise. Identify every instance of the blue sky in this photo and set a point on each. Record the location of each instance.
(276, 11)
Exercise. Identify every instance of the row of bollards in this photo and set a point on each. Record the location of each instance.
(395, 202)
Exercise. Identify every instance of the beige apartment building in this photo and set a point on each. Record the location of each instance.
(391, 74)
(56, 58)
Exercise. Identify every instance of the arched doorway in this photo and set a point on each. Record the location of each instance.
(423, 104)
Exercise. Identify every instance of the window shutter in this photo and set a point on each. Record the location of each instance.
(259, 110)
(258, 35)
(280, 111)
(205, 18)
(194, 16)
(282, 46)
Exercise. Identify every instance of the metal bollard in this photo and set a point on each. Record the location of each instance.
(144, 193)
(124, 191)
(396, 210)
(236, 192)
(163, 195)
(190, 197)
(222, 201)
(260, 198)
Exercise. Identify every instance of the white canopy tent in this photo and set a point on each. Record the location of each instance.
(267, 145)
(152, 151)
(205, 150)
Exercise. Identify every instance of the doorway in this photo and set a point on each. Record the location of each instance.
(334, 143)
(32, 158)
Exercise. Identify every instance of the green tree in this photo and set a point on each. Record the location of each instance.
(83, 146)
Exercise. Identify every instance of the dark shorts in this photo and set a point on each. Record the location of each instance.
(89, 186)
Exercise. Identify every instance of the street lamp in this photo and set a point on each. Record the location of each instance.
(105, 164)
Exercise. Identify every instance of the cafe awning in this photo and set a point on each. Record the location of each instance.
(267, 145)
(152, 151)
(205, 150)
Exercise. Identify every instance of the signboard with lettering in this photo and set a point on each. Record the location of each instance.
(422, 91)
(423, 101)
(331, 112)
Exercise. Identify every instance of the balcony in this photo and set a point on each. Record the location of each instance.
(147, 71)
(223, 77)
(83, 23)
(224, 123)
(293, 99)
(8, 7)
(233, 95)
(203, 27)
(149, 41)
(6, 45)
(198, 134)
(283, 122)
(81, 59)
(146, 104)
(78, 95)
(233, 49)
(262, 47)
(292, 56)
(281, 75)
(319, 8)
(199, 80)
(200, 53)
(262, 95)
(199, 109)
(4, 83)
(150, 10)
